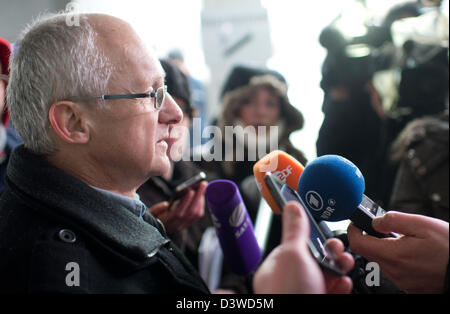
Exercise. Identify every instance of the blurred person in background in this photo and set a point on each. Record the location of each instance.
(422, 180)
(416, 87)
(252, 97)
(360, 59)
(197, 90)
(8, 135)
(352, 107)
(422, 68)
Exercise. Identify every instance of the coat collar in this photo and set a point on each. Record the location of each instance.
(53, 190)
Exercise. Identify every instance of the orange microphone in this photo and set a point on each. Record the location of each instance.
(284, 167)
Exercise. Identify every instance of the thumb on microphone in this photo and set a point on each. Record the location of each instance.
(295, 224)
(406, 224)
(290, 268)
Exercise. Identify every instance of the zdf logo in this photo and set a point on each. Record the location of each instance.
(283, 174)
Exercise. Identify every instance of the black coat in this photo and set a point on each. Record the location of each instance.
(352, 129)
(49, 219)
(422, 180)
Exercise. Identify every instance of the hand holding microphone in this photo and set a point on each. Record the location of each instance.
(415, 254)
(291, 269)
(288, 170)
(417, 262)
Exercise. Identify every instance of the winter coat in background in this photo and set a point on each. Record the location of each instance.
(422, 182)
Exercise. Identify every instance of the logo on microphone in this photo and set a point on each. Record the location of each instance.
(314, 200)
(283, 174)
(238, 216)
(329, 210)
(215, 221)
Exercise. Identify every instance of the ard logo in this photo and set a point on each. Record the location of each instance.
(314, 200)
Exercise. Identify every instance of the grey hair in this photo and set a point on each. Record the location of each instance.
(53, 61)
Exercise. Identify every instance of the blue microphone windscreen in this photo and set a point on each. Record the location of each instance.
(332, 187)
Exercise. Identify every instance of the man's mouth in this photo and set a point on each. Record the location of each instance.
(170, 139)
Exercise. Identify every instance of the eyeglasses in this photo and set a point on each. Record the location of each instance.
(4, 77)
(159, 97)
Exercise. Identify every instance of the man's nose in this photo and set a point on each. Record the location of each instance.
(170, 113)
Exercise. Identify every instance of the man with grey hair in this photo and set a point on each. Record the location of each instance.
(70, 219)
(90, 104)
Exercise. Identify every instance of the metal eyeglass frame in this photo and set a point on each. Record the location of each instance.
(155, 95)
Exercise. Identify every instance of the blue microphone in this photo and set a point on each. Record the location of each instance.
(332, 188)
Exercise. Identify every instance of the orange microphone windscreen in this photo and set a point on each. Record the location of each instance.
(282, 165)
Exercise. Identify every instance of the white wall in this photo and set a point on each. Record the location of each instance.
(16, 14)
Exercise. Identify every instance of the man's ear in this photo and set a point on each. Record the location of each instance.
(69, 122)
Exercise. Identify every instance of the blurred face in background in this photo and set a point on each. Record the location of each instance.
(262, 109)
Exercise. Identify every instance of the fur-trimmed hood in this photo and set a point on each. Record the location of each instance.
(290, 117)
(433, 128)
